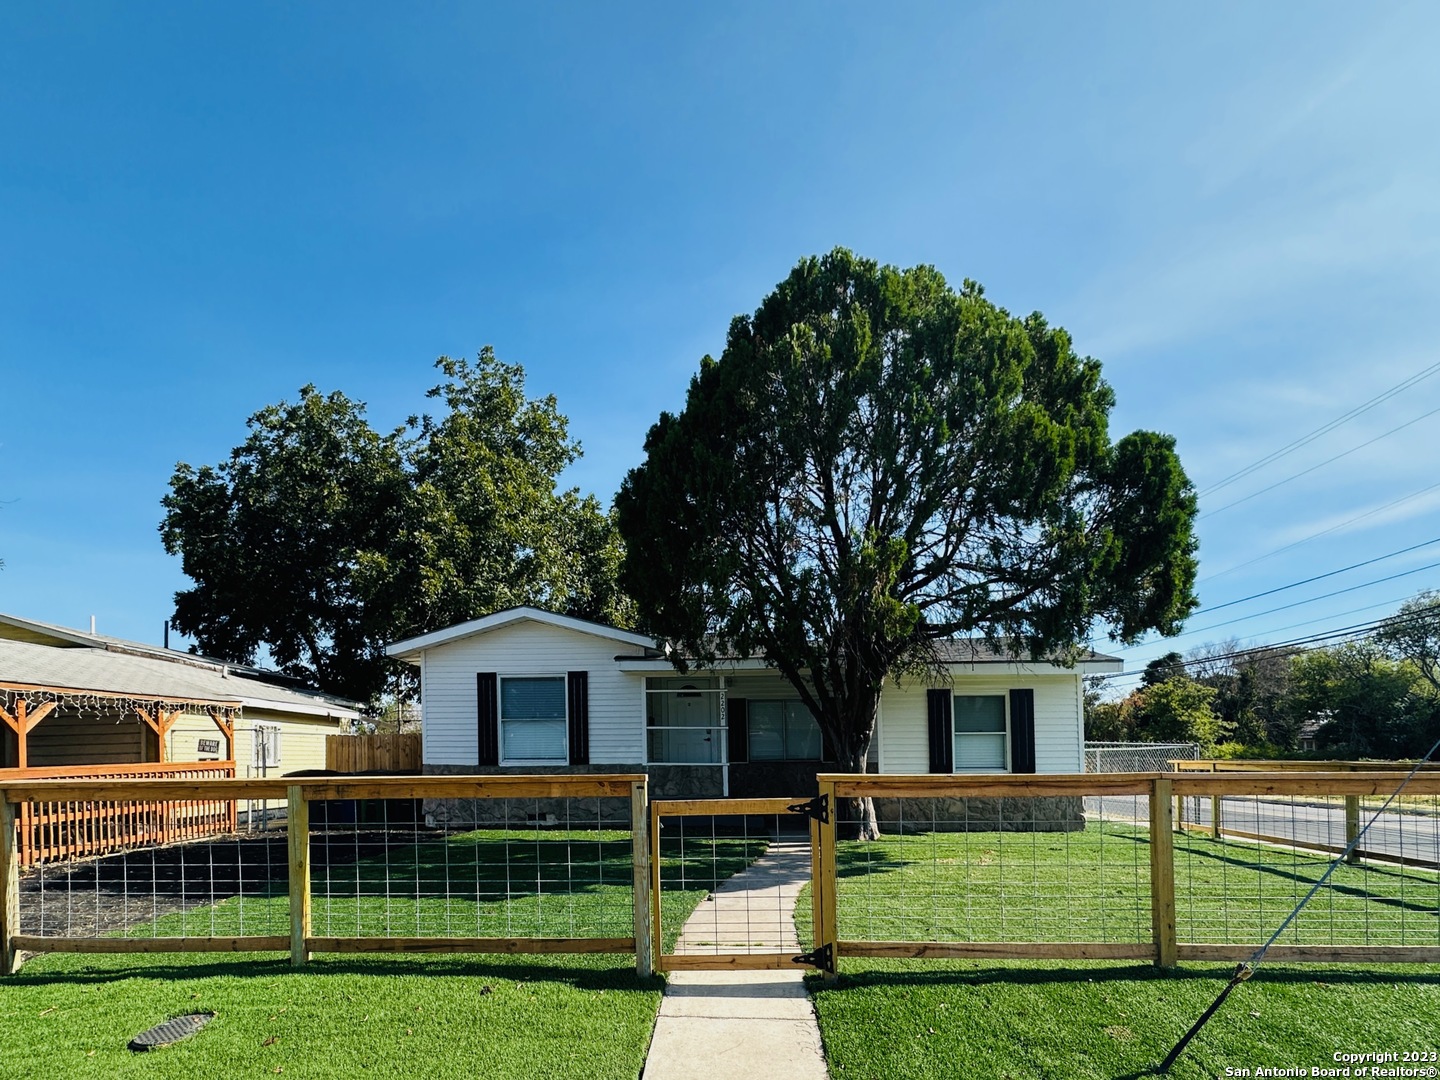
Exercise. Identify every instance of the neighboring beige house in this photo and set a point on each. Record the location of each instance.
(71, 700)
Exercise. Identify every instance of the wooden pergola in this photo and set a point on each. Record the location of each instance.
(24, 705)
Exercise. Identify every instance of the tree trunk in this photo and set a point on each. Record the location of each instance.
(856, 820)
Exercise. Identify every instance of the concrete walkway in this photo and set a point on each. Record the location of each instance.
(715, 1025)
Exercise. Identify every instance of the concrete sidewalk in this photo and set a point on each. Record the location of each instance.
(715, 1025)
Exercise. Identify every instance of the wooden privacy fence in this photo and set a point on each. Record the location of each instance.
(373, 753)
(74, 828)
(356, 870)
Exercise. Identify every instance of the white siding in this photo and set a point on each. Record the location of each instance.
(904, 731)
(617, 734)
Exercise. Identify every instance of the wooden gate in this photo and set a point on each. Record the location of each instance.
(752, 857)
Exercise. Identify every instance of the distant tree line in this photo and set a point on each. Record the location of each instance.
(1377, 697)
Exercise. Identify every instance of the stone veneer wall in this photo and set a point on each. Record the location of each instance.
(666, 782)
(1056, 813)
(1017, 814)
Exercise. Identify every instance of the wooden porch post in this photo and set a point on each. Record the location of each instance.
(227, 730)
(22, 723)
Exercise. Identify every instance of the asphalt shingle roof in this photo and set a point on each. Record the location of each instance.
(144, 676)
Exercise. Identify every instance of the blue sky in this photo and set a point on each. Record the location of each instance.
(205, 207)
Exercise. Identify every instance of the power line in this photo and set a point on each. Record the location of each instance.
(1323, 532)
(1320, 577)
(1311, 600)
(1327, 461)
(1324, 429)
(1301, 644)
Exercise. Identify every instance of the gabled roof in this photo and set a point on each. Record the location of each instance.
(24, 663)
(410, 648)
(15, 628)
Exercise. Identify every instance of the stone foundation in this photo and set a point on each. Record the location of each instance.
(1018, 814)
(666, 782)
(1055, 813)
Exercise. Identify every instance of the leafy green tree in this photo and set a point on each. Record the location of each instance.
(319, 539)
(1169, 666)
(1413, 634)
(877, 461)
(1370, 705)
(1177, 709)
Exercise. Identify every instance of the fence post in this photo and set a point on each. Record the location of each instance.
(640, 852)
(9, 888)
(1162, 870)
(824, 885)
(1352, 825)
(297, 831)
(1215, 811)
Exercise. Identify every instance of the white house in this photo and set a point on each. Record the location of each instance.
(526, 690)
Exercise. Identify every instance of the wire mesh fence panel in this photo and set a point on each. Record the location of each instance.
(963, 869)
(154, 879)
(1239, 878)
(729, 884)
(531, 868)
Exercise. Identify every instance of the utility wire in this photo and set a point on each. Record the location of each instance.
(1302, 644)
(1320, 577)
(1317, 535)
(1324, 429)
(1327, 461)
(1311, 600)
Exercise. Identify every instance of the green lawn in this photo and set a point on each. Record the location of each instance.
(1024, 1019)
(553, 1016)
(1098, 1021)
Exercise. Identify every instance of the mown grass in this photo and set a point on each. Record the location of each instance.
(1075, 1019)
(578, 1016)
(436, 1017)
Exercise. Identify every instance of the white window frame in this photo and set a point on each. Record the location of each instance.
(955, 765)
(788, 702)
(564, 758)
(256, 738)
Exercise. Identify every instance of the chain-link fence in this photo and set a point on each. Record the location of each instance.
(1114, 757)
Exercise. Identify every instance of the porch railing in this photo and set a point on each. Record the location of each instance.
(77, 828)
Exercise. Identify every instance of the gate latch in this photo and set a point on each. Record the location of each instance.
(822, 958)
(817, 808)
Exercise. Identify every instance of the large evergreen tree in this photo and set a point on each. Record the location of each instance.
(877, 461)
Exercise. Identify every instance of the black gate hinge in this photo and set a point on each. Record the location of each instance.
(817, 808)
(822, 958)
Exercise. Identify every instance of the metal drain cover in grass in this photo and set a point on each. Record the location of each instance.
(171, 1031)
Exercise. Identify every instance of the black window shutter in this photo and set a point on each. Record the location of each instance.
(487, 714)
(940, 710)
(577, 700)
(1022, 731)
(737, 730)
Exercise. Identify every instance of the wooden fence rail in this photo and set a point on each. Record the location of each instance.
(1148, 831)
(20, 797)
(373, 753)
